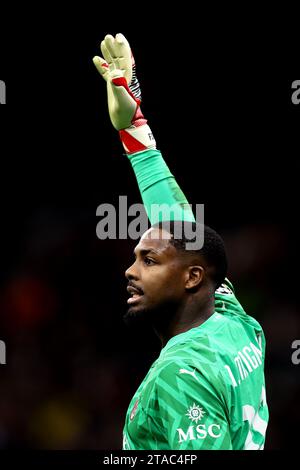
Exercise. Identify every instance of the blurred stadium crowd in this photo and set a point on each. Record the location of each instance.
(231, 138)
(72, 365)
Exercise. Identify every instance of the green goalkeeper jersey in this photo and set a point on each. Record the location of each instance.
(206, 390)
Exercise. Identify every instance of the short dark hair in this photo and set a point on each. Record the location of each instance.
(213, 250)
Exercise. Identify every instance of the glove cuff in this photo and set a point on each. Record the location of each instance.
(137, 137)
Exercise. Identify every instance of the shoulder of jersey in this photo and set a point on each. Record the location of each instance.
(226, 288)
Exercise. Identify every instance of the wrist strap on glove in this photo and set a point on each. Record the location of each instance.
(137, 137)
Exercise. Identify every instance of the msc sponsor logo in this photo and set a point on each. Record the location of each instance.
(199, 432)
(195, 412)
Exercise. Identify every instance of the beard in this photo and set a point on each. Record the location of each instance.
(137, 317)
(154, 317)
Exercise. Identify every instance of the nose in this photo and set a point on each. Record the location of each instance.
(131, 272)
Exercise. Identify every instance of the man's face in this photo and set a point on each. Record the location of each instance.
(156, 278)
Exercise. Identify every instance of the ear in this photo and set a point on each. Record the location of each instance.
(194, 277)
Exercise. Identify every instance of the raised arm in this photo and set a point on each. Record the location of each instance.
(156, 183)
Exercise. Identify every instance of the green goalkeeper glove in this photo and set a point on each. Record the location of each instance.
(124, 94)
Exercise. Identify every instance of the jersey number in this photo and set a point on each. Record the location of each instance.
(256, 423)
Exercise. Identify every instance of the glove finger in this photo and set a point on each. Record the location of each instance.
(106, 54)
(124, 56)
(102, 67)
(110, 45)
(125, 49)
(122, 46)
(120, 38)
(119, 51)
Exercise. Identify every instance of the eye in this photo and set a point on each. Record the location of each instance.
(148, 261)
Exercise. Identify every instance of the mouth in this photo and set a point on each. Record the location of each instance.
(135, 294)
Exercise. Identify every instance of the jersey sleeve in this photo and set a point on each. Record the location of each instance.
(158, 187)
(192, 414)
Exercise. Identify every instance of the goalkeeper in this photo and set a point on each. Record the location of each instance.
(206, 390)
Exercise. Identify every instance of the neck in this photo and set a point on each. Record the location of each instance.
(191, 314)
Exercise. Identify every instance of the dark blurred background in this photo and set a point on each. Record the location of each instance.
(223, 118)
